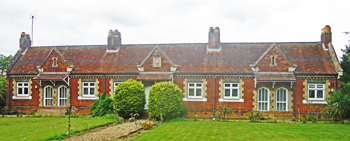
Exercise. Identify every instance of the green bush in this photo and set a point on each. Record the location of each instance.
(165, 101)
(129, 98)
(102, 106)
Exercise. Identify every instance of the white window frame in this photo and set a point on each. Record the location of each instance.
(89, 87)
(282, 102)
(65, 89)
(315, 91)
(231, 87)
(264, 101)
(22, 87)
(115, 86)
(195, 87)
(46, 98)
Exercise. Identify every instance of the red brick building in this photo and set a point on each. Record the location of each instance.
(281, 77)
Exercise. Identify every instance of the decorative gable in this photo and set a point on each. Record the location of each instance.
(273, 60)
(157, 61)
(55, 62)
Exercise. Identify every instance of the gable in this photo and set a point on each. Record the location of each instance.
(273, 60)
(54, 63)
(157, 61)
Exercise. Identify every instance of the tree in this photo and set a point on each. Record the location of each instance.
(129, 98)
(4, 61)
(338, 105)
(345, 62)
(165, 101)
(2, 92)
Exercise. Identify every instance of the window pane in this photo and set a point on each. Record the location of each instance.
(319, 86)
(311, 86)
(191, 84)
(92, 91)
(199, 85)
(19, 91)
(198, 92)
(92, 84)
(19, 84)
(278, 95)
(227, 92)
(25, 84)
(86, 91)
(26, 91)
(311, 94)
(234, 92)
(319, 93)
(227, 85)
(116, 85)
(86, 84)
(234, 85)
(278, 107)
(191, 92)
(259, 107)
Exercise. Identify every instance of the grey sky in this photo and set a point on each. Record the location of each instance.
(67, 22)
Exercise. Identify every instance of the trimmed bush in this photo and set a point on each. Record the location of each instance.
(102, 106)
(165, 101)
(129, 98)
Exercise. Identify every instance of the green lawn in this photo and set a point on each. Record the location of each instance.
(21, 128)
(225, 131)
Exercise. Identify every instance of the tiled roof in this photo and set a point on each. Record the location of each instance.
(309, 57)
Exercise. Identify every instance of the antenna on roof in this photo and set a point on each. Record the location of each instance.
(32, 17)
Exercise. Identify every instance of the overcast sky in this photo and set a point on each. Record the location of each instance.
(67, 22)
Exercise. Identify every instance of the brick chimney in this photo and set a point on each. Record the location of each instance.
(114, 40)
(24, 41)
(214, 39)
(326, 36)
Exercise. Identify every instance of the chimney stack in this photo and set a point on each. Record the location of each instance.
(24, 41)
(114, 40)
(326, 36)
(214, 39)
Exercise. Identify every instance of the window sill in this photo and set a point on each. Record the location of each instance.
(195, 99)
(231, 100)
(88, 98)
(21, 97)
(315, 102)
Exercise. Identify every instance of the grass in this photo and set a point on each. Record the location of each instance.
(18, 128)
(211, 130)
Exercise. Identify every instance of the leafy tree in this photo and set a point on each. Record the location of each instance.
(165, 101)
(4, 61)
(338, 105)
(345, 64)
(129, 98)
(2, 92)
(102, 106)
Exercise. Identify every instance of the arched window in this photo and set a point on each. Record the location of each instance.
(263, 99)
(282, 99)
(48, 96)
(62, 96)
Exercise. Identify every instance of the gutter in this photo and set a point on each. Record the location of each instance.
(214, 96)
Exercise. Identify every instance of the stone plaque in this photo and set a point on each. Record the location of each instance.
(157, 62)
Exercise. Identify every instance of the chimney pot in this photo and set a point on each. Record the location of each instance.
(326, 36)
(114, 40)
(214, 39)
(24, 41)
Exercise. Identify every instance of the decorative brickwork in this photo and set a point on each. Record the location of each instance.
(240, 87)
(41, 103)
(204, 86)
(80, 87)
(14, 87)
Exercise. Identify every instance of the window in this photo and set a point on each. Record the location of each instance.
(115, 86)
(48, 96)
(281, 99)
(195, 90)
(54, 60)
(231, 90)
(273, 60)
(62, 96)
(316, 92)
(22, 89)
(88, 88)
(263, 99)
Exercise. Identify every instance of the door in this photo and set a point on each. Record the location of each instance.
(147, 89)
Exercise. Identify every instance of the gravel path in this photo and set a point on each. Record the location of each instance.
(110, 132)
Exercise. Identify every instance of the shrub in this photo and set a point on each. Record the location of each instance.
(165, 101)
(224, 113)
(254, 116)
(338, 105)
(102, 106)
(129, 98)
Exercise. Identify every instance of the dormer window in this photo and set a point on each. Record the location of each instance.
(54, 60)
(273, 60)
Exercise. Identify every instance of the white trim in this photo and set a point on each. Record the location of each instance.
(88, 98)
(89, 87)
(59, 98)
(195, 99)
(286, 95)
(22, 87)
(195, 87)
(45, 98)
(315, 91)
(268, 99)
(113, 50)
(231, 88)
(315, 102)
(213, 49)
(231, 100)
(21, 97)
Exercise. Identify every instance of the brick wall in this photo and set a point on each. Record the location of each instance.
(61, 66)
(282, 64)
